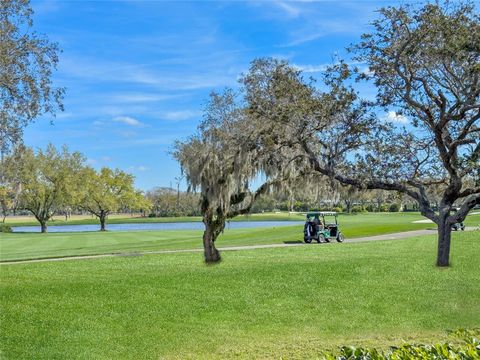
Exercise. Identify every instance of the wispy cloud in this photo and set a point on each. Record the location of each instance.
(311, 68)
(215, 70)
(314, 30)
(127, 120)
(140, 168)
(288, 7)
(142, 97)
(181, 115)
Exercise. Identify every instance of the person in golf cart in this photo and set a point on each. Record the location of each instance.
(313, 226)
(316, 229)
(310, 228)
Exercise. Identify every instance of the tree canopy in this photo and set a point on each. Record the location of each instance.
(107, 191)
(49, 180)
(27, 62)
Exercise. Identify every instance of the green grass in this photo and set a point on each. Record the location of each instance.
(269, 303)
(123, 218)
(34, 245)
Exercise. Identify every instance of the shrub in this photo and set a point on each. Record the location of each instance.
(337, 209)
(358, 209)
(5, 228)
(383, 208)
(469, 349)
(394, 207)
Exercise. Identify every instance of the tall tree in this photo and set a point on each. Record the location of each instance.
(222, 160)
(426, 63)
(27, 62)
(344, 140)
(49, 181)
(108, 191)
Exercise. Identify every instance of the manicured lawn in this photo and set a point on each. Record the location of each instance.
(284, 302)
(35, 245)
(124, 218)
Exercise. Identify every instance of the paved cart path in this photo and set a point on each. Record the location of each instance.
(394, 236)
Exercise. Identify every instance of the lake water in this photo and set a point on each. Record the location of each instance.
(156, 226)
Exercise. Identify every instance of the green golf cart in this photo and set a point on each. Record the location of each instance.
(316, 228)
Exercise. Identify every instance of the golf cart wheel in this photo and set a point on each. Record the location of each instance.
(340, 237)
(463, 228)
(321, 238)
(307, 240)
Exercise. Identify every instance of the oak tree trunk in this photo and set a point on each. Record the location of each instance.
(43, 226)
(212, 255)
(213, 228)
(103, 217)
(444, 238)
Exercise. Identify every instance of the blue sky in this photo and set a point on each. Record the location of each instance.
(138, 73)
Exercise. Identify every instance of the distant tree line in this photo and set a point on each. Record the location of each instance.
(55, 181)
(169, 202)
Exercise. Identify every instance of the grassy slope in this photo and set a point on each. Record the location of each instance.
(28, 246)
(288, 302)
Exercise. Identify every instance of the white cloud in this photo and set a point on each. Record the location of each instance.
(291, 10)
(127, 120)
(142, 97)
(393, 116)
(312, 68)
(96, 70)
(137, 168)
(180, 115)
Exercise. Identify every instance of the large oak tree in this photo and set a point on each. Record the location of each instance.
(426, 63)
(49, 180)
(105, 191)
(222, 160)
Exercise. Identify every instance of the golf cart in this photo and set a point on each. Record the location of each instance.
(458, 226)
(317, 229)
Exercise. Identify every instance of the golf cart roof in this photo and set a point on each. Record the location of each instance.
(322, 213)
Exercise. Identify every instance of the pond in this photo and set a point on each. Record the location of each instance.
(156, 226)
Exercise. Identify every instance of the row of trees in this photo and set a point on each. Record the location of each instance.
(170, 202)
(167, 202)
(424, 62)
(52, 181)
